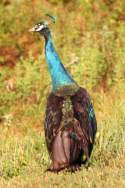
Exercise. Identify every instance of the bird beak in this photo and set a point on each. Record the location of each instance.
(32, 29)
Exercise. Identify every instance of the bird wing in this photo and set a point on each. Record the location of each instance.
(53, 118)
(84, 113)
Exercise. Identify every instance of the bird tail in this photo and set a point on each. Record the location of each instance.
(69, 143)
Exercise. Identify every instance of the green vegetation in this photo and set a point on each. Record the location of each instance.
(90, 38)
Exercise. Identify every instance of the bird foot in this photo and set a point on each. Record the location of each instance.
(57, 169)
(73, 168)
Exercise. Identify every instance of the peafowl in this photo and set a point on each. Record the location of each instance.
(70, 124)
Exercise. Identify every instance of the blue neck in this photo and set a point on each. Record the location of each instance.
(59, 75)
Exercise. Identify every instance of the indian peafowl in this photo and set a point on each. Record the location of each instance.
(70, 123)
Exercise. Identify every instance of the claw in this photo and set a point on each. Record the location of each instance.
(73, 168)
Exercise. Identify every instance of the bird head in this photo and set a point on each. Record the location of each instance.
(43, 26)
(39, 27)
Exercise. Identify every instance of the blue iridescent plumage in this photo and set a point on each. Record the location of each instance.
(59, 75)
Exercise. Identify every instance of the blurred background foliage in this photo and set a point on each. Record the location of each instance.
(89, 35)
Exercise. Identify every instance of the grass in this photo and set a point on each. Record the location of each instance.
(91, 44)
(24, 159)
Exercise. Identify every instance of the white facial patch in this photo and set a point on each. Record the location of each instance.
(39, 28)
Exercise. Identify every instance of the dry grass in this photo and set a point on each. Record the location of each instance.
(24, 158)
